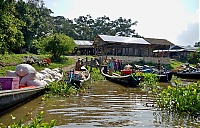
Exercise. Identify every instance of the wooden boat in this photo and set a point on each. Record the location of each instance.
(77, 78)
(165, 77)
(127, 80)
(11, 98)
(187, 75)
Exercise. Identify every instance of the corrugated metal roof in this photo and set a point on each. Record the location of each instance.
(176, 50)
(83, 42)
(184, 47)
(123, 39)
(158, 41)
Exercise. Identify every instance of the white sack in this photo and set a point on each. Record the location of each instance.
(43, 72)
(48, 80)
(35, 82)
(11, 73)
(40, 76)
(27, 77)
(24, 69)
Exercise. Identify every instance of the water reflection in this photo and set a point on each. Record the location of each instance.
(105, 104)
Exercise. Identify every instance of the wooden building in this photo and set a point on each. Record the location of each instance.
(120, 46)
(158, 44)
(84, 47)
(177, 52)
(129, 46)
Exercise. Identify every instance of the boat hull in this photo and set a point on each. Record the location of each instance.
(188, 75)
(127, 80)
(11, 98)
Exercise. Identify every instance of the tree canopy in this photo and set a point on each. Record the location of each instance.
(58, 44)
(11, 36)
(23, 24)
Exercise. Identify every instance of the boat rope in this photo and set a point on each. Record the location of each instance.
(133, 77)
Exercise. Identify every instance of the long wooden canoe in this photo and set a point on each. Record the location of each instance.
(127, 80)
(11, 98)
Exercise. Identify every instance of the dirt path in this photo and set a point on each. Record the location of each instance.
(67, 68)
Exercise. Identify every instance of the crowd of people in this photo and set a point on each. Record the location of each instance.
(113, 65)
(110, 64)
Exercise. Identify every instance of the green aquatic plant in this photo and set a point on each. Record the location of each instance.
(149, 81)
(95, 74)
(37, 122)
(181, 97)
(60, 88)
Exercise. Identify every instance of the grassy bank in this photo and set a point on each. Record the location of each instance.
(9, 62)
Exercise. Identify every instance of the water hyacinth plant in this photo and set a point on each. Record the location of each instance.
(181, 97)
(148, 82)
(60, 88)
(96, 74)
(35, 123)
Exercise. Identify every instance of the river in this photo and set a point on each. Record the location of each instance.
(104, 104)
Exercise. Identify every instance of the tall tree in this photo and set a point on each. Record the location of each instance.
(122, 27)
(37, 18)
(11, 38)
(58, 44)
(83, 26)
(197, 44)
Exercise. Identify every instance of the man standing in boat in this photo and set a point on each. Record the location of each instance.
(159, 67)
(110, 66)
(78, 65)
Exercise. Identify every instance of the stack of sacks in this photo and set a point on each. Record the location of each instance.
(30, 77)
(49, 75)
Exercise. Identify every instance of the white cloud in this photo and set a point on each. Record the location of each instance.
(190, 34)
(156, 18)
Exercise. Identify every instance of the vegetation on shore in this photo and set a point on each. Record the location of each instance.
(180, 97)
(36, 122)
(10, 61)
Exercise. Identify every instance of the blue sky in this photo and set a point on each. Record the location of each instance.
(174, 20)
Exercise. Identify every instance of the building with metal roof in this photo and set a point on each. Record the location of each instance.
(120, 39)
(177, 51)
(129, 46)
(84, 47)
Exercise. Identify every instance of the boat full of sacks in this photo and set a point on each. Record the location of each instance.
(28, 76)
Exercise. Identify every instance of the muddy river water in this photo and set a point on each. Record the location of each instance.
(105, 104)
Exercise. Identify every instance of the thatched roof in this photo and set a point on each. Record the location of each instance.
(158, 41)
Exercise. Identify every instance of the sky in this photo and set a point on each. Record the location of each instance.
(174, 20)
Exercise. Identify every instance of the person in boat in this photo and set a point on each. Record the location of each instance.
(78, 65)
(111, 66)
(82, 63)
(197, 66)
(187, 64)
(159, 66)
(115, 65)
(105, 65)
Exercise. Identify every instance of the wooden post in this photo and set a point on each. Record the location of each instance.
(86, 62)
(91, 64)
